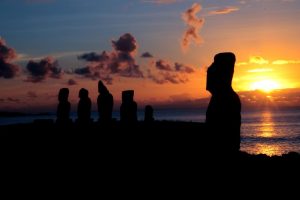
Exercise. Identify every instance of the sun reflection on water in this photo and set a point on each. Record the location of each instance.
(267, 126)
(266, 130)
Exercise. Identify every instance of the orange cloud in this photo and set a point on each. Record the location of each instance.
(285, 62)
(262, 61)
(223, 11)
(242, 63)
(254, 60)
(258, 60)
(194, 25)
(260, 70)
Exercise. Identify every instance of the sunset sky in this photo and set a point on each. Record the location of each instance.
(159, 48)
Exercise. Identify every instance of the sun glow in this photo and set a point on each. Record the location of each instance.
(265, 85)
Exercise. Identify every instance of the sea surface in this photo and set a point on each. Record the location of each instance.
(268, 132)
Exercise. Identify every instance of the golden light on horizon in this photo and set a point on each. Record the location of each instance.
(265, 85)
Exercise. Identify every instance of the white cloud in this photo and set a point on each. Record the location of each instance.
(194, 25)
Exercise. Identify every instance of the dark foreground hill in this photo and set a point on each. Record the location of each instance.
(157, 142)
(139, 158)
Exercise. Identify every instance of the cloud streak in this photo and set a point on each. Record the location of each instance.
(258, 60)
(162, 1)
(285, 62)
(248, 1)
(262, 61)
(14, 100)
(194, 25)
(260, 70)
(26, 57)
(224, 11)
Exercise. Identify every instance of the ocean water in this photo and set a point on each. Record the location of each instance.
(271, 132)
(267, 132)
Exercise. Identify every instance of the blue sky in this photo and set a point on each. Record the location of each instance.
(40, 27)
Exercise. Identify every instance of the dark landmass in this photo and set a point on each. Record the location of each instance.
(157, 142)
(20, 114)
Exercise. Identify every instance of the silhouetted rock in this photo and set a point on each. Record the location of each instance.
(148, 114)
(84, 107)
(223, 116)
(128, 109)
(105, 102)
(63, 108)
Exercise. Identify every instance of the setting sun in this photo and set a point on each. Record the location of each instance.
(265, 85)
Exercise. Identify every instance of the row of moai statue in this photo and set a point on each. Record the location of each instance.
(105, 103)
